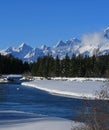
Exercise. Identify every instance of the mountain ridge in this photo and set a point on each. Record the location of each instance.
(93, 44)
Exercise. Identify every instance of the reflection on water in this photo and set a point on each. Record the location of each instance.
(19, 102)
(3, 94)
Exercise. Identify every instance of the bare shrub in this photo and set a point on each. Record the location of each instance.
(95, 113)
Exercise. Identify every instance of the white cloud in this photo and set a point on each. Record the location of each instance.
(94, 39)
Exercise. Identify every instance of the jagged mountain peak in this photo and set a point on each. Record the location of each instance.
(106, 33)
(6, 51)
(43, 47)
(72, 42)
(106, 29)
(76, 40)
(24, 46)
(9, 49)
(60, 43)
(94, 44)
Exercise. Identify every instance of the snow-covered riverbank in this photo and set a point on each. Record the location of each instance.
(44, 124)
(76, 88)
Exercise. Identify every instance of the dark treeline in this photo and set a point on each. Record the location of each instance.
(11, 65)
(77, 66)
(47, 66)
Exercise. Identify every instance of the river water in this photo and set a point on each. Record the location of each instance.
(21, 102)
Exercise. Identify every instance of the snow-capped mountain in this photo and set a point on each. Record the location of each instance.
(24, 52)
(33, 55)
(68, 47)
(93, 44)
(106, 33)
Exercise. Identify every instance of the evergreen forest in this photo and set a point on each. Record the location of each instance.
(47, 66)
(11, 65)
(77, 66)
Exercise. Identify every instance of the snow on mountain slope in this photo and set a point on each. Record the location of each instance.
(95, 43)
(68, 47)
(46, 50)
(90, 44)
(6, 51)
(106, 33)
(24, 48)
(24, 52)
(33, 55)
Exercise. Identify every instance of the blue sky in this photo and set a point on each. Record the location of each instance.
(38, 22)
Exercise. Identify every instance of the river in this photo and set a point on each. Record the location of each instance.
(21, 102)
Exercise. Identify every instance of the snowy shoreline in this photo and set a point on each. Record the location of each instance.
(80, 88)
(43, 124)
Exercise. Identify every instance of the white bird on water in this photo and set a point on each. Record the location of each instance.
(17, 88)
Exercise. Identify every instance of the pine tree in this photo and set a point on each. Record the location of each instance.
(73, 67)
(67, 66)
(57, 67)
